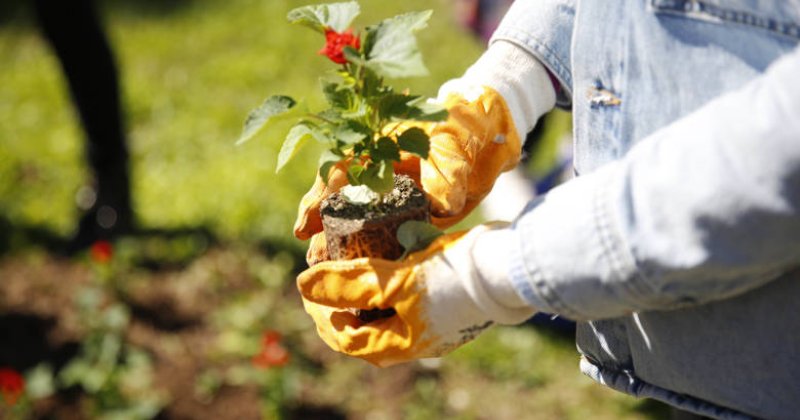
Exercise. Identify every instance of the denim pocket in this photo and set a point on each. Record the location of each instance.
(777, 17)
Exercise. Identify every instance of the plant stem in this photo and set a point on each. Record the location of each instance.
(321, 118)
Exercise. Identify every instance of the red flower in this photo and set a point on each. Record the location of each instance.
(101, 252)
(272, 353)
(335, 43)
(12, 385)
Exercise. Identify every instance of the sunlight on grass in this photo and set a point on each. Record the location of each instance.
(541, 369)
(190, 76)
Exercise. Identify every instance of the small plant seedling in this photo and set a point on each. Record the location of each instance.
(367, 127)
(414, 236)
(360, 128)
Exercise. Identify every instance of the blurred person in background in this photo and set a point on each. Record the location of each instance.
(75, 33)
(677, 245)
(481, 16)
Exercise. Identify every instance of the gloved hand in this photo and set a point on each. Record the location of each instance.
(490, 110)
(467, 154)
(442, 300)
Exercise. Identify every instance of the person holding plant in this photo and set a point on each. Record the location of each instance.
(677, 246)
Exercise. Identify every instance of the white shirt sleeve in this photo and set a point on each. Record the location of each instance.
(516, 75)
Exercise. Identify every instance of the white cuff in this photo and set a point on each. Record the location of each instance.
(516, 75)
(482, 267)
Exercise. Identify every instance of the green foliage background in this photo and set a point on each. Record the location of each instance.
(190, 75)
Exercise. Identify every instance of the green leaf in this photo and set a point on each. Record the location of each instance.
(327, 160)
(331, 114)
(373, 84)
(347, 135)
(423, 110)
(298, 135)
(395, 105)
(353, 56)
(415, 235)
(379, 177)
(260, 117)
(410, 107)
(359, 148)
(360, 110)
(337, 16)
(354, 173)
(368, 39)
(359, 194)
(394, 51)
(385, 149)
(337, 95)
(351, 132)
(416, 141)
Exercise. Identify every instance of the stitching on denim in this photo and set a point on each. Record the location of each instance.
(639, 284)
(642, 389)
(634, 285)
(696, 405)
(606, 245)
(601, 373)
(709, 12)
(518, 277)
(546, 292)
(549, 295)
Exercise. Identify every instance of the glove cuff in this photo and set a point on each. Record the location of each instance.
(516, 75)
(483, 276)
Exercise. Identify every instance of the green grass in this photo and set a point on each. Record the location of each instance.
(190, 76)
(190, 72)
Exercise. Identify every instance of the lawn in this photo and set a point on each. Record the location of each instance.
(174, 322)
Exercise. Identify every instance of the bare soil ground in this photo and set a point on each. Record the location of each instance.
(170, 321)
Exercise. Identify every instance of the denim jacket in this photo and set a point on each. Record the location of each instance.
(678, 245)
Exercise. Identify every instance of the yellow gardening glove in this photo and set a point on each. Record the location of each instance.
(439, 295)
(467, 154)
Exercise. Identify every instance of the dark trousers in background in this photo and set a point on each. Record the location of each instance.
(74, 31)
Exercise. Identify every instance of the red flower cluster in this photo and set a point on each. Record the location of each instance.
(335, 43)
(12, 385)
(101, 252)
(272, 353)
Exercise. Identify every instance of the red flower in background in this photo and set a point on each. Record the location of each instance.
(12, 385)
(335, 43)
(101, 252)
(272, 353)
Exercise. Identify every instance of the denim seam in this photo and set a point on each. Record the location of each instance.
(534, 46)
(549, 295)
(536, 289)
(700, 10)
(643, 389)
(518, 277)
(612, 250)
